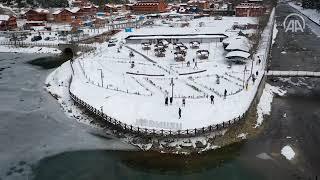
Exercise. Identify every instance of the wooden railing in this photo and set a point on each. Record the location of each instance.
(152, 131)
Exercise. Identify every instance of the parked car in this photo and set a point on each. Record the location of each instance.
(218, 18)
(36, 38)
(111, 44)
(18, 38)
(113, 40)
(50, 38)
(62, 38)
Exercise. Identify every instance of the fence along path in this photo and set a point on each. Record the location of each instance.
(293, 73)
(152, 131)
(165, 132)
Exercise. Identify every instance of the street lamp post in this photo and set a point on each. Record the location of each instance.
(172, 84)
(244, 75)
(251, 67)
(101, 76)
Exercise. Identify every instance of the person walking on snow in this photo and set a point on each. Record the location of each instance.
(179, 113)
(166, 101)
(183, 102)
(225, 93)
(195, 65)
(212, 99)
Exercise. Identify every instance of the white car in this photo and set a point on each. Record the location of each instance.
(113, 40)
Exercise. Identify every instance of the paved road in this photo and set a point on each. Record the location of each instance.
(295, 118)
(298, 116)
(295, 51)
(32, 124)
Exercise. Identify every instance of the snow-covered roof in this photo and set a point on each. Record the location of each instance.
(4, 17)
(40, 10)
(173, 36)
(241, 44)
(238, 54)
(34, 22)
(57, 12)
(196, 1)
(89, 7)
(146, 4)
(63, 28)
(73, 10)
(249, 5)
(234, 38)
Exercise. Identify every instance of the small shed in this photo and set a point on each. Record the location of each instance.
(159, 45)
(194, 44)
(146, 46)
(238, 56)
(161, 49)
(178, 56)
(160, 53)
(203, 54)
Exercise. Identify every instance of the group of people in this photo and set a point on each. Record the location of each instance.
(167, 100)
(195, 64)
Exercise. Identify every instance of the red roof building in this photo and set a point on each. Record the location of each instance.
(86, 12)
(63, 16)
(109, 8)
(250, 10)
(7, 22)
(199, 3)
(37, 14)
(80, 3)
(149, 6)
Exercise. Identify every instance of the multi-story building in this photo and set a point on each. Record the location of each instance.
(110, 8)
(37, 14)
(86, 12)
(80, 3)
(250, 9)
(66, 15)
(7, 22)
(199, 4)
(149, 6)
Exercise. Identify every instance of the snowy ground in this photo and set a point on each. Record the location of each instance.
(56, 38)
(139, 99)
(264, 106)
(275, 33)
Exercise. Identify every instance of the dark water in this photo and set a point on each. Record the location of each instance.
(236, 162)
(23, 135)
(50, 62)
(100, 165)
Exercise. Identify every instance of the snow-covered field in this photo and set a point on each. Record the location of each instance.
(139, 99)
